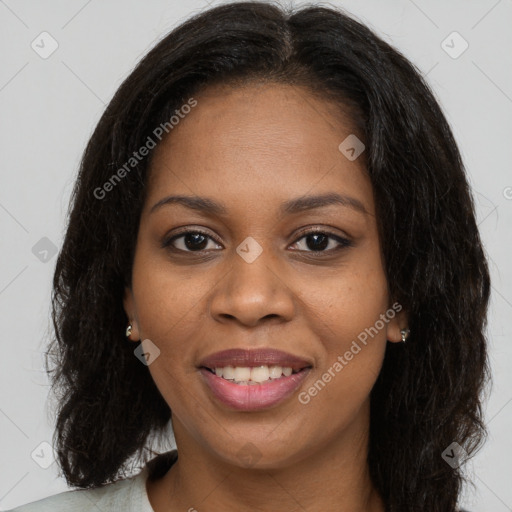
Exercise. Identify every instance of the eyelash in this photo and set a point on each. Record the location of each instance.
(343, 242)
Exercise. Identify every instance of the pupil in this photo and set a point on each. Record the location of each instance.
(194, 237)
(315, 246)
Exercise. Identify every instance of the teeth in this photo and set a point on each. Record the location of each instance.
(251, 376)
(287, 372)
(259, 374)
(275, 372)
(241, 374)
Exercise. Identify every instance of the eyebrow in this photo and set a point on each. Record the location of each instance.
(297, 205)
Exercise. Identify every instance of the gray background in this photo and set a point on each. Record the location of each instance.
(50, 106)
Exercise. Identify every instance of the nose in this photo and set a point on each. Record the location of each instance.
(253, 293)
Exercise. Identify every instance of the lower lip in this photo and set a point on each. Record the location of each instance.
(253, 397)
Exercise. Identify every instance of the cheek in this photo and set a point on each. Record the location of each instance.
(166, 315)
(351, 360)
(165, 299)
(347, 320)
(349, 302)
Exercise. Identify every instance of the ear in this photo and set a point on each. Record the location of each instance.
(396, 324)
(129, 308)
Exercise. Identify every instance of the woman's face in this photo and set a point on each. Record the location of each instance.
(255, 279)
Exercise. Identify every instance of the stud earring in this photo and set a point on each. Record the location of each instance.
(405, 334)
(129, 331)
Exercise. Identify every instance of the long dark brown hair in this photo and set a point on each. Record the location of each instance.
(428, 394)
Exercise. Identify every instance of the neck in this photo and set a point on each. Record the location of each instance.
(330, 478)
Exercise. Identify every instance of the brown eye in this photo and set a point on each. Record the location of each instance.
(318, 241)
(193, 241)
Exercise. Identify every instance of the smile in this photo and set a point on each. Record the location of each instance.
(246, 375)
(255, 388)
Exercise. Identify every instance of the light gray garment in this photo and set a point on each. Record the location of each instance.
(128, 495)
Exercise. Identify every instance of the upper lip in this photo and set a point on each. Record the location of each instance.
(255, 357)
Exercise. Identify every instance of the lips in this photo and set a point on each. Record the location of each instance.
(256, 357)
(237, 392)
(253, 398)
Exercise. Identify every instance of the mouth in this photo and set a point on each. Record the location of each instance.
(253, 379)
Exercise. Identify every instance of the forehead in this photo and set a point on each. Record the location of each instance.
(258, 141)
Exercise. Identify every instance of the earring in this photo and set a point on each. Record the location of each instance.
(129, 331)
(405, 334)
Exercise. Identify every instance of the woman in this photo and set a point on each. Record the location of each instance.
(274, 206)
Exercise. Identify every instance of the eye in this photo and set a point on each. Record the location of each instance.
(193, 241)
(318, 240)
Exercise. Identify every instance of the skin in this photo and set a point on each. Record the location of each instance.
(252, 148)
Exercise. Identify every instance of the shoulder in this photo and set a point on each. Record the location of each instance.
(121, 495)
(128, 494)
